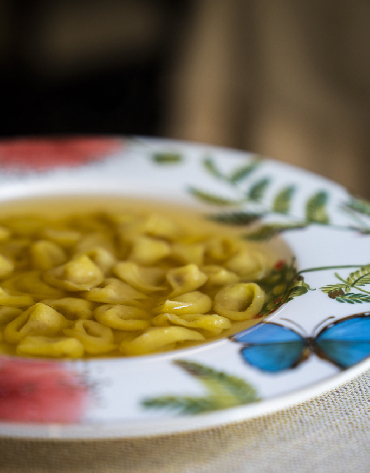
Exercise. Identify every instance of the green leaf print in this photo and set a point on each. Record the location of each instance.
(211, 167)
(316, 208)
(266, 232)
(361, 206)
(209, 198)
(360, 277)
(236, 218)
(356, 280)
(183, 404)
(353, 298)
(283, 199)
(167, 158)
(222, 391)
(335, 288)
(243, 172)
(258, 189)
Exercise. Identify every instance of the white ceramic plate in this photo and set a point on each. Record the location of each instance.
(229, 380)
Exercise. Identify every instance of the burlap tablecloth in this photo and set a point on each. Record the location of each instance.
(328, 433)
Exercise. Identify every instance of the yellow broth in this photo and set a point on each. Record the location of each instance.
(102, 276)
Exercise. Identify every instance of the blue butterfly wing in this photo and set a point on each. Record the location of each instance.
(271, 347)
(345, 342)
(274, 357)
(266, 332)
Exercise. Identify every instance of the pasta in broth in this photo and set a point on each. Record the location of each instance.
(126, 282)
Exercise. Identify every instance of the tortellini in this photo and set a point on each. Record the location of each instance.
(145, 279)
(30, 282)
(54, 347)
(72, 308)
(6, 299)
(63, 237)
(102, 257)
(4, 233)
(189, 252)
(160, 226)
(220, 249)
(114, 291)
(6, 266)
(122, 317)
(7, 314)
(148, 251)
(46, 255)
(239, 301)
(219, 276)
(190, 303)
(212, 323)
(159, 338)
(39, 319)
(185, 279)
(79, 274)
(95, 337)
(250, 265)
(121, 284)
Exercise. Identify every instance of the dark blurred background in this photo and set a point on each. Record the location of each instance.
(285, 78)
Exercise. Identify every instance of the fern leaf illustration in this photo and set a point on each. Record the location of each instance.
(316, 208)
(211, 167)
(167, 158)
(223, 391)
(220, 384)
(258, 189)
(266, 232)
(331, 288)
(352, 298)
(182, 404)
(211, 198)
(243, 172)
(283, 200)
(237, 218)
(360, 277)
(359, 205)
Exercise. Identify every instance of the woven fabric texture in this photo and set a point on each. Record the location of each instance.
(328, 433)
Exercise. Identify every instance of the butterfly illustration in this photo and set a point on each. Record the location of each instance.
(273, 348)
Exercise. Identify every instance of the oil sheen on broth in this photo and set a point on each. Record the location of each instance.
(101, 277)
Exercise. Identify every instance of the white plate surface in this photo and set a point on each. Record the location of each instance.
(327, 230)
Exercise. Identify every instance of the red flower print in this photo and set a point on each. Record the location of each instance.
(38, 391)
(41, 154)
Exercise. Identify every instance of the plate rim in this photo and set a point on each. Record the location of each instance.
(175, 425)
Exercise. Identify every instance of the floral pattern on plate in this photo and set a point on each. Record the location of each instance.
(325, 285)
(42, 154)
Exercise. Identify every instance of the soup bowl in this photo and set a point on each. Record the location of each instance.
(310, 332)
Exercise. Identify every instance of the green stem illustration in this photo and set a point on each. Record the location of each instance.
(324, 268)
(253, 191)
(362, 290)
